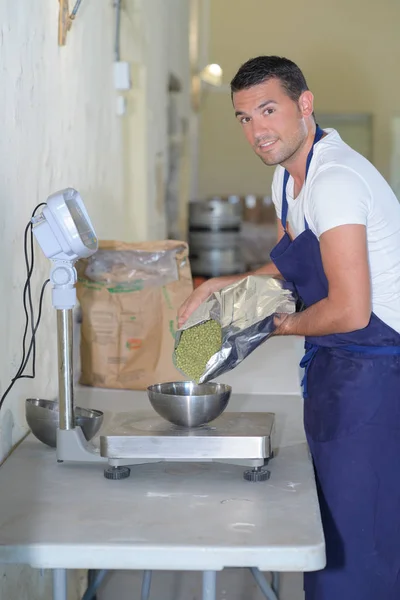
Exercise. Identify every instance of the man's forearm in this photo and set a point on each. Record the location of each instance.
(220, 282)
(268, 269)
(322, 318)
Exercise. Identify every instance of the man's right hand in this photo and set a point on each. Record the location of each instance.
(197, 297)
(200, 294)
(204, 291)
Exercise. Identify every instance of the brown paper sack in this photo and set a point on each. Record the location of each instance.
(129, 296)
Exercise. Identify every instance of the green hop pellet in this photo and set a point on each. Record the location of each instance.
(196, 346)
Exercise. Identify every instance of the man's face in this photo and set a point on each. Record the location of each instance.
(272, 122)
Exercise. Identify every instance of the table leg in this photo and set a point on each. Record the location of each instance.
(209, 585)
(263, 584)
(60, 591)
(146, 585)
(276, 582)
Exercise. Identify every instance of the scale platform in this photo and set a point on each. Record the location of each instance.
(237, 438)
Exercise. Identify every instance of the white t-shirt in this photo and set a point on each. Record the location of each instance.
(344, 188)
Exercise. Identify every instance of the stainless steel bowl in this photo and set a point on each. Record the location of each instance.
(42, 417)
(187, 404)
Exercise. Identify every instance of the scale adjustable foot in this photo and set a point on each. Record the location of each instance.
(117, 472)
(257, 474)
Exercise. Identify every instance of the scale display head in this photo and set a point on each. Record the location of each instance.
(63, 229)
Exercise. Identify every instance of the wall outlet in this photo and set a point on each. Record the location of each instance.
(122, 76)
(120, 106)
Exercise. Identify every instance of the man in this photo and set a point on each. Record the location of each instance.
(339, 243)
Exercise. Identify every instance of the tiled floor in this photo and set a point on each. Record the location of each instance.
(232, 584)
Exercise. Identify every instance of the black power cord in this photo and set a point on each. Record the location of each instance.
(29, 316)
(27, 289)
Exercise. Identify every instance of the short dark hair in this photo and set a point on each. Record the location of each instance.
(262, 68)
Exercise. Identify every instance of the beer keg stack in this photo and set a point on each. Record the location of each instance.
(214, 237)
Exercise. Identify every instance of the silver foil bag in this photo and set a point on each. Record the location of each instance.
(245, 310)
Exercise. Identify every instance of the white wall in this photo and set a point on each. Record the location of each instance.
(349, 54)
(59, 128)
(156, 42)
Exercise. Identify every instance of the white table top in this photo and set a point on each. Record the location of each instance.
(164, 516)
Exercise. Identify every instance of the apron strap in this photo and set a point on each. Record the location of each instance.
(318, 135)
(285, 206)
(311, 350)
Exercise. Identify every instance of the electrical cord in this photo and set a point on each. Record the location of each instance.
(27, 287)
(27, 290)
(22, 367)
(29, 316)
(75, 9)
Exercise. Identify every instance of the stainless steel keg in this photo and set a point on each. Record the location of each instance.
(214, 237)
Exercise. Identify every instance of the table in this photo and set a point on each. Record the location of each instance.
(177, 516)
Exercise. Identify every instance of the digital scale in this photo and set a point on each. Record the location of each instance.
(65, 233)
(235, 438)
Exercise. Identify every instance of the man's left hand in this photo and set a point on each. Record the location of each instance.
(282, 323)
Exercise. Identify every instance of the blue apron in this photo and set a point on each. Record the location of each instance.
(352, 423)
